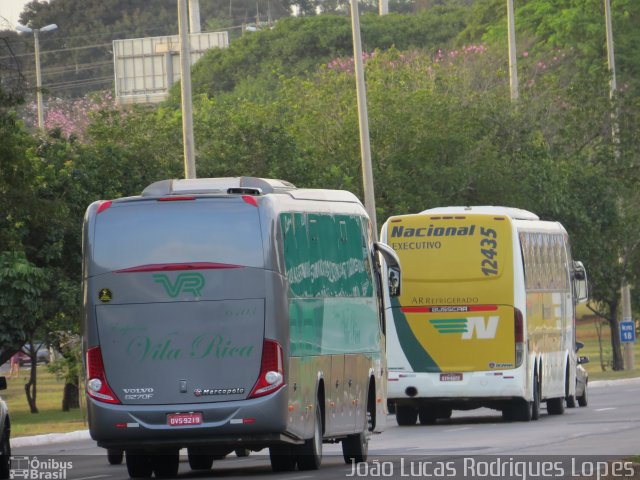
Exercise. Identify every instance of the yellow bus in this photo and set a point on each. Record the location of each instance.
(486, 315)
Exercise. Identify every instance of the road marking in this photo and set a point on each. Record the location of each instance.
(300, 478)
(92, 477)
(605, 409)
(458, 429)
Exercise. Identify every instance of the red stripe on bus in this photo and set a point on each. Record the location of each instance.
(163, 267)
(458, 308)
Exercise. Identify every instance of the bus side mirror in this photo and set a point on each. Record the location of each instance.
(394, 272)
(580, 283)
(579, 345)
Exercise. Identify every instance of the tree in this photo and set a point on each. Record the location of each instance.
(22, 285)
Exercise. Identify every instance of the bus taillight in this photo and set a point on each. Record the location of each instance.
(97, 386)
(271, 376)
(518, 333)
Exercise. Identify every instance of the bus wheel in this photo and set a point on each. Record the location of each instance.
(138, 464)
(406, 415)
(445, 412)
(310, 453)
(356, 447)
(115, 456)
(282, 459)
(535, 406)
(571, 401)
(555, 406)
(165, 464)
(199, 459)
(427, 415)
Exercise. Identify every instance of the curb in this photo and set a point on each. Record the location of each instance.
(46, 439)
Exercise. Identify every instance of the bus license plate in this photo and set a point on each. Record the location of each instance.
(450, 377)
(182, 419)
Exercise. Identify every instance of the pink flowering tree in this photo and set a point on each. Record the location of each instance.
(70, 116)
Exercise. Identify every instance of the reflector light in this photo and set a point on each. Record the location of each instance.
(518, 336)
(97, 386)
(175, 198)
(104, 205)
(250, 200)
(271, 376)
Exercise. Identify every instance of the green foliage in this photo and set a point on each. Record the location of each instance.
(22, 285)
(297, 46)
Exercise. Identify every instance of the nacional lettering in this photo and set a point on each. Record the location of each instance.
(400, 231)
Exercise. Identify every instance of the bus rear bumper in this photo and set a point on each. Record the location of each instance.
(255, 423)
(462, 388)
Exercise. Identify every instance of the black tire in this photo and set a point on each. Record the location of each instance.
(555, 406)
(115, 456)
(583, 399)
(522, 411)
(535, 405)
(445, 412)
(5, 454)
(391, 407)
(138, 464)
(199, 459)
(356, 447)
(166, 464)
(571, 401)
(406, 416)
(427, 415)
(282, 458)
(242, 452)
(309, 454)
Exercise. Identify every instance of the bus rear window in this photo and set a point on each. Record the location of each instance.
(134, 234)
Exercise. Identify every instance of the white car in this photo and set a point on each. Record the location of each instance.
(582, 380)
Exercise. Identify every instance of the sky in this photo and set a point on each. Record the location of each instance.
(10, 10)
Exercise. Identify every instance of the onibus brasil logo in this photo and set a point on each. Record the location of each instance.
(34, 468)
(191, 282)
(468, 327)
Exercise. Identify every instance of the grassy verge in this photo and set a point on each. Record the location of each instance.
(599, 350)
(51, 418)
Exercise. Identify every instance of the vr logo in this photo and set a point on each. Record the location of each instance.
(482, 330)
(185, 282)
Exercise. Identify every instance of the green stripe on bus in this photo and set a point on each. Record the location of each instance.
(418, 358)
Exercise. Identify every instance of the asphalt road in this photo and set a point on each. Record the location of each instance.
(468, 445)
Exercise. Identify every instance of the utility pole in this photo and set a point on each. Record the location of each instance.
(185, 90)
(513, 63)
(363, 120)
(383, 7)
(194, 16)
(36, 42)
(625, 290)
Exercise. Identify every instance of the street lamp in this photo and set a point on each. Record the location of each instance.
(36, 32)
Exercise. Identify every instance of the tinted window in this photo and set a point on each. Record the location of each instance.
(151, 232)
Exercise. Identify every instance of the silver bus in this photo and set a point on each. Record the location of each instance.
(234, 313)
